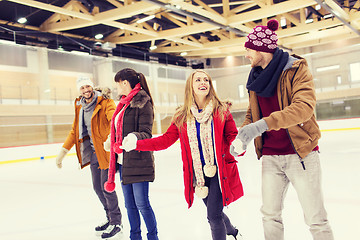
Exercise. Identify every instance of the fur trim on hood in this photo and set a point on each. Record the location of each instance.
(105, 92)
(140, 99)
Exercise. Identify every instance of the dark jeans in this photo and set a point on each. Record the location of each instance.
(108, 200)
(220, 224)
(136, 197)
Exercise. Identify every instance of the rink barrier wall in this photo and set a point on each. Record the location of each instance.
(328, 126)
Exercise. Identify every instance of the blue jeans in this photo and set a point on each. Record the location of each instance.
(220, 224)
(277, 172)
(136, 197)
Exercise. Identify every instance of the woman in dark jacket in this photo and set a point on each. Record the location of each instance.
(134, 114)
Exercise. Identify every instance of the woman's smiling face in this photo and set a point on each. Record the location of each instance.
(201, 84)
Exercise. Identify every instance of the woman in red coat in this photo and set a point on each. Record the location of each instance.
(206, 130)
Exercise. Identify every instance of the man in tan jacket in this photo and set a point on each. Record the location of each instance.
(281, 118)
(90, 129)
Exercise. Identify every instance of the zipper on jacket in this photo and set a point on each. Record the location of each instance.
(287, 130)
(223, 167)
(190, 182)
(292, 144)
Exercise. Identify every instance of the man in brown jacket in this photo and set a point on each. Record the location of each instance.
(90, 129)
(281, 118)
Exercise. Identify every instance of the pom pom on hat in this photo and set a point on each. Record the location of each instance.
(273, 24)
(83, 81)
(109, 186)
(263, 38)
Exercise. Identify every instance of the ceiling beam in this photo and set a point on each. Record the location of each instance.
(52, 8)
(340, 36)
(338, 9)
(308, 27)
(198, 10)
(318, 35)
(269, 11)
(167, 34)
(38, 29)
(108, 16)
(338, 15)
(238, 42)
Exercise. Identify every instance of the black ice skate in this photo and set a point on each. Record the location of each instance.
(101, 228)
(237, 235)
(111, 232)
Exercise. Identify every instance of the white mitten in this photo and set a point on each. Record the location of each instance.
(129, 142)
(238, 145)
(107, 144)
(60, 157)
(237, 148)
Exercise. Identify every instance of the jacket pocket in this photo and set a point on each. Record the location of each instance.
(310, 128)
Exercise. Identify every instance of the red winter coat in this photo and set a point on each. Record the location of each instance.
(225, 132)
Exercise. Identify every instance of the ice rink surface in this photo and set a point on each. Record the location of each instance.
(38, 201)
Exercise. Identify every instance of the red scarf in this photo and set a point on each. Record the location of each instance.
(116, 136)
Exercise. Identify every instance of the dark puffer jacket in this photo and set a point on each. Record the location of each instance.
(138, 166)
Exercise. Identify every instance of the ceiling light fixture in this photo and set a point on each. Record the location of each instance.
(328, 16)
(99, 36)
(183, 53)
(22, 20)
(153, 47)
(145, 19)
(283, 22)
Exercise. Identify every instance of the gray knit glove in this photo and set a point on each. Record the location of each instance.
(250, 131)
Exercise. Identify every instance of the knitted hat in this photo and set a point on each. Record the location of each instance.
(83, 81)
(263, 38)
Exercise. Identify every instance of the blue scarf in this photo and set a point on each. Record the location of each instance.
(264, 81)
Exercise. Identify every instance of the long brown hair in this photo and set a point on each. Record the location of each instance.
(183, 113)
(133, 78)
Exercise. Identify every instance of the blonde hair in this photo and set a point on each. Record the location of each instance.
(183, 113)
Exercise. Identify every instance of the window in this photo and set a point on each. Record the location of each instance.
(338, 79)
(355, 71)
(241, 91)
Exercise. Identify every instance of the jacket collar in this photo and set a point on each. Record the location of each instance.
(140, 99)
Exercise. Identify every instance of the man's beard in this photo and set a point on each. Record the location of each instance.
(88, 98)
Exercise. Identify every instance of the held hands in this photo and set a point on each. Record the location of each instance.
(236, 148)
(117, 148)
(250, 131)
(129, 142)
(60, 157)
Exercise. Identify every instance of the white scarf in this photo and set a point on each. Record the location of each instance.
(205, 119)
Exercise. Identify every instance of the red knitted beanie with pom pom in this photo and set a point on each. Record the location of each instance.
(263, 38)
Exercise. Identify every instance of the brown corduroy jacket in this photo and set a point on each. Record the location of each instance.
(296, 95)
(100, 129)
